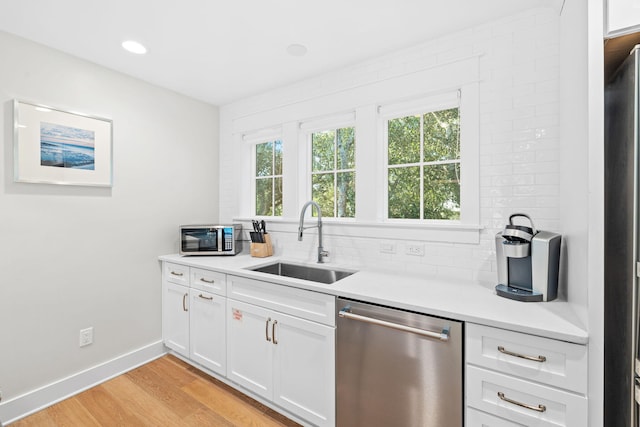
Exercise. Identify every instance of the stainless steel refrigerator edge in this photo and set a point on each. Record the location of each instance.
(621, 244)
(397, 368)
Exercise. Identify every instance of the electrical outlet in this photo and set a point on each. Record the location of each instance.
(86, 336)
(415, 249)
(387, 248)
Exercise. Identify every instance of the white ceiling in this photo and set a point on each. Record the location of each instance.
(222, 51)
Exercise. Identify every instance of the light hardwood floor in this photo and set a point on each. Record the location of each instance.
(165, 392)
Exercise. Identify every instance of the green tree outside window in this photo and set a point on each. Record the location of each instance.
(269, 178)
(424, 166)
(333, 172)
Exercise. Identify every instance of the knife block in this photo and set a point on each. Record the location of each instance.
(262, 250)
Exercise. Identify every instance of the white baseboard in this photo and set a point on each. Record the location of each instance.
(33, 401)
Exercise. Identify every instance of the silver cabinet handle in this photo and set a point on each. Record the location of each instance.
(540, 359)
(539, 408)
(177, 274)
(207, 298)
(273, 331)
(184, 302)
(202, 279)
(266, 330)
(442, 336)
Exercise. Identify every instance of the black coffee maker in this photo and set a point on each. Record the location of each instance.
(528, 262)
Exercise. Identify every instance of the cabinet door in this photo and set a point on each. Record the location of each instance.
(304, 368)
(207, 335)
(175, 317)
(249, 347)
(623, 17)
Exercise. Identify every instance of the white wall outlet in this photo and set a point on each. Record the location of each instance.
(86, 336)
(415, 249)
(387, 248)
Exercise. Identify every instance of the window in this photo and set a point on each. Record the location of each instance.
(268, 190)
(423, 168)
(333, 172)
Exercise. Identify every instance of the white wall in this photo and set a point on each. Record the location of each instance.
(74, 257)
(582, 176)
(519, 140)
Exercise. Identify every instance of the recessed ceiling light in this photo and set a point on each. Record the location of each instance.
(134, 47)
(296, 50)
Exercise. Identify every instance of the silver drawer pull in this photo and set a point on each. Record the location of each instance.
(207, 298)
(522, 356)
(177, 274)
(202, 279)
(442, 336)
(273, 331)
(184, 302)
(539, 408)
(266, 330)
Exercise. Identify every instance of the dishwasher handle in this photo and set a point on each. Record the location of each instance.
(442, 336)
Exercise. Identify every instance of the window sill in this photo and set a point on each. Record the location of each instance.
(429, 232)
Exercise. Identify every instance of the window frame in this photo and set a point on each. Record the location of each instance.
(465, 99)
(250, 141)
(421, 163)
(334, 171)
(306, 130)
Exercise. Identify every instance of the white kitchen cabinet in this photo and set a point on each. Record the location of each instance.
(304, 368)
(209, 281)
(193, 315)
(519, 379)
(283, 358)
(249, 347)
(175, 317)
(622, 17)
(176, 273)
(207, 331)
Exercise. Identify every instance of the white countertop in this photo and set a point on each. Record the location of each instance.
(456, 299)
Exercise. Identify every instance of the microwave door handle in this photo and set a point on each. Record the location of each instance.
(219, 235)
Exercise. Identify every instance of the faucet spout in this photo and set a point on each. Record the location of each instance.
(321, 252)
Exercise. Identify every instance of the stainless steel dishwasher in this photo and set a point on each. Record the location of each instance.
(397, 368)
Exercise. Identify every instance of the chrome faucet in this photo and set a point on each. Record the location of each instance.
(321, 252)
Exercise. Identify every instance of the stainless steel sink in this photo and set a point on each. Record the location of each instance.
(304, 272)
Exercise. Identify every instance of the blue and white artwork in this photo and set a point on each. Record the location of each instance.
(66, 147)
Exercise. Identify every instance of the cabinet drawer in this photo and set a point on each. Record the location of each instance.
(297, 302)
(557, 407)
(548, 361)
(176, 273)
(477, 418)
(209, 281)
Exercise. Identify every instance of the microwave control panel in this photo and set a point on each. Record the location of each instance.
(228, 239)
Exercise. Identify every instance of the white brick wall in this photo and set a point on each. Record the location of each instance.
(519, 140)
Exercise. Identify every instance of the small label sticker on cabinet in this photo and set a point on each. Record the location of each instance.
(237, 314)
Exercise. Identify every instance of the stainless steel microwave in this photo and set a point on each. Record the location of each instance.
(210, 239)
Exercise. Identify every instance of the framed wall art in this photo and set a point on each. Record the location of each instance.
(53, 146)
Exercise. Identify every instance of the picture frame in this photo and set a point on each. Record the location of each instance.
(54, 146)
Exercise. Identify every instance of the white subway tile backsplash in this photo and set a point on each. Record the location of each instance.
(519, 141)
